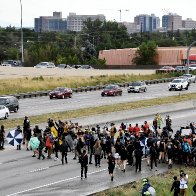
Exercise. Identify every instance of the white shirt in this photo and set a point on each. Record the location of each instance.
(183, 183)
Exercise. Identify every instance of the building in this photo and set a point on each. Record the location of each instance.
(147, 23)
(189, 24)
(131, 27)
(172, 22)
(122, 58)
(50, 23)
(75, 22)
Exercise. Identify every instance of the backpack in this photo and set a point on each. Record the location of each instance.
(152, 191)
(186, 147)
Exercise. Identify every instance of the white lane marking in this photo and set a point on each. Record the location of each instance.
(53, 183)
(40, 169)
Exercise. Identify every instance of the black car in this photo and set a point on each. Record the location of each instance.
(10, 102)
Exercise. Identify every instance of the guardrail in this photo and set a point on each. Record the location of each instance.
(85, 89)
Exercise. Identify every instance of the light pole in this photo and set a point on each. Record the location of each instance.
(22, 48)
(187, 56)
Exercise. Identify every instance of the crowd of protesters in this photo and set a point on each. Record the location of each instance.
(121, 146)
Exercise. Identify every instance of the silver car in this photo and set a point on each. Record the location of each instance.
(137, 87)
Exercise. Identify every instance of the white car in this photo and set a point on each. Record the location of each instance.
(178, 84)
(192, 67)
(137, 87)
(45, 65)
(4, 112)
(191, 77)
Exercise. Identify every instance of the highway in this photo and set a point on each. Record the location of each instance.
(22, 174)
(43, 105)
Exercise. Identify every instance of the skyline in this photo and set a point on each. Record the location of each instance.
(10, 9)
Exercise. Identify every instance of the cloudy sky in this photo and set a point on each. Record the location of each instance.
(10, 9)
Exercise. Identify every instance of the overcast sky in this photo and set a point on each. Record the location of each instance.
(10, 9)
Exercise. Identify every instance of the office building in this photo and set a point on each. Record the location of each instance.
(131, 27)
(147, 23)
(50, 23)
(75, 22)
(189, 24)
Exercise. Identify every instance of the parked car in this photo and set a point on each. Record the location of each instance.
(60, 92)
(180, 68)
(86, 67)
(183, 77)
(11, 63)
(111, 90)
(178, 84)
(45, 65)
(167, 68)
(191, 77)
(137, 87)
(10, 102)
(192, 67)
(64, 66)
(4, 112)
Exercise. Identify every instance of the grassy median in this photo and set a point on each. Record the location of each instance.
(162, 184)
(27, 84)
(99, 110)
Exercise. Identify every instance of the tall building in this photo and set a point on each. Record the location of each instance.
(147, 22)
(189, 24)
(50, 23)
(172, 21)
(131, 27)
(75, 22)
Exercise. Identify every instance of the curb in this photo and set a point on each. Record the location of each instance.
(84, 89)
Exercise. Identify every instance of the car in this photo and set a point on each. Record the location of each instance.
(10, 102)
(64, 66)
(191, 77)
(11, 63)
(45, 65)
(76, 66)
(111, 90)
(137, 87)
(60, 93)
(185, 79)
(86, 67)
(180, 68)
(4, 112)
(167, 68)
(178, 84)
(192, 67)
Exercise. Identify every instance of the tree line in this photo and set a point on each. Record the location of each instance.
(83, 47)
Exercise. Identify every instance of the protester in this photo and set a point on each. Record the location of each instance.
(111, 165)
(49, 144)
(40, 148)
(138, 159)
(84, 163)
(97, 150)
(153, 156)
(123, 157)
(147, 188)
(176, 186)
(183, 184)
(64, 150)
(20, 131)
(26, 127)
(2, 137)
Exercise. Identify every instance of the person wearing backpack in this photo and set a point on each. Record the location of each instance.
(186, 151)
(147, 188)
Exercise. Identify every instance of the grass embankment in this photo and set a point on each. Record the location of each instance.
(23, 85)
(162, 184)
(99, 110)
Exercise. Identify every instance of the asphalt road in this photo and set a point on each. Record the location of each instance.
(22, 174)
(43, 105)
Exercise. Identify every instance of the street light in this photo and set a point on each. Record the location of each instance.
(22, 48)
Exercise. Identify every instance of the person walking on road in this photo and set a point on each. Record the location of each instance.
(2, 137)
(19, 130)
(64, 150)
(138, 159)
(49, 144)
(123, 157)
(26, 126)
(111, 165)
(40, 148)
(97, 149)
(84, 163)
(153, 156)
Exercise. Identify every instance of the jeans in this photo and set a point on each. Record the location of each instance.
(84, 170)
(64, 156)
(97, 159)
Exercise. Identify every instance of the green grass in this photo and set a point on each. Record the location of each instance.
(162, 184)
(27, 84)
(66, 115)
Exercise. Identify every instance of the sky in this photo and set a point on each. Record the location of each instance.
(10, 10)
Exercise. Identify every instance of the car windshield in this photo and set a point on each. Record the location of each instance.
(2, 101)
(136, 84)
(192, 65)
(43, 64)
(176, 81)
(59, 89)
(110, 87)
(187, 75)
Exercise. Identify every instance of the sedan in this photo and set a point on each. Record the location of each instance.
(167, 68)
(4, 112)
(111, 90)
(191, 77)
(137, 87)
(60, 93)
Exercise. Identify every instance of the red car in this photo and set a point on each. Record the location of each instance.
(60, 92)
(111, 90)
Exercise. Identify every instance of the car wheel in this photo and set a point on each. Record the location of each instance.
(50, 97)
(6, 116)
(63, 97)
(145, 89)
(181, 88)
(170, 89)
(70, 96)
(102, 95)
(187, 87)
(16, 110)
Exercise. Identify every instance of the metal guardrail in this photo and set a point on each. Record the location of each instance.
(85, 89)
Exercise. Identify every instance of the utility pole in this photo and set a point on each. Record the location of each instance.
(22, 48)
(121, 13)
(141, 32)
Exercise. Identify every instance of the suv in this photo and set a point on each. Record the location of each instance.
(10, 102)
(192, 67)
(45, 65)
(178, 84)
(137, 87)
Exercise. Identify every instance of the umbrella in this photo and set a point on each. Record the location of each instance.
(34, 143)
(14, 138)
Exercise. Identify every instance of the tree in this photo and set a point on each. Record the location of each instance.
(146, 54)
